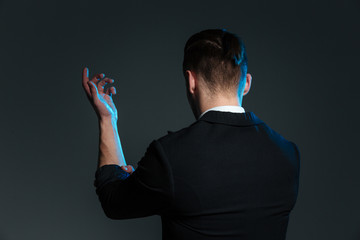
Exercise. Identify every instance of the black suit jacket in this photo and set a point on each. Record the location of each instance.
(226, 176)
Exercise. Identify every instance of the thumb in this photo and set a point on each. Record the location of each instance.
(93, 89)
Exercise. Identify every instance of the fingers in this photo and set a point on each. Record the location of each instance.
(85, 79)
(103, 83)
(85, 74)
(97, 77)
(93, 89)
(110, 91)
(128, 168)
(98, 87)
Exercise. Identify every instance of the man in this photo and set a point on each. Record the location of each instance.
(226, 176)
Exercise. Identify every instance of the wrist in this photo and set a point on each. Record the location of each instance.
(108, 120)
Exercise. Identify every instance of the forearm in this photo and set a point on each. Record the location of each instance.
(110, 150)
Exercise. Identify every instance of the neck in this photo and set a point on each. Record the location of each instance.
(205, 103)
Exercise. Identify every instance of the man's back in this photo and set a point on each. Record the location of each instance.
(226, 176)
(232, 178)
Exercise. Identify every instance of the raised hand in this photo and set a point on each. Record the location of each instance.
(101, 101)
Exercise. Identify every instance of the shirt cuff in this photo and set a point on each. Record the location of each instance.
(109, 173)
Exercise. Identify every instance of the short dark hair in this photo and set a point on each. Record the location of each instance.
(218, 56)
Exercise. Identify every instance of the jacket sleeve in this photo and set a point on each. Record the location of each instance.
(147, 191)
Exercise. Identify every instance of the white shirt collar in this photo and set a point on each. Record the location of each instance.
(225, 108)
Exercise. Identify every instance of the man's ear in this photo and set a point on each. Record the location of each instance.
(247, 83)
(191, 80)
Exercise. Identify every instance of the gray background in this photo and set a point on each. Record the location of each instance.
(304, 60)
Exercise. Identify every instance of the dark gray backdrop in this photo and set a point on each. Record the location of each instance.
(304, 60)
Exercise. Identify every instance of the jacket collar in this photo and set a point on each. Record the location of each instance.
(230, 118)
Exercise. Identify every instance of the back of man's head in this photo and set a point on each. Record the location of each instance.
(218, 57)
